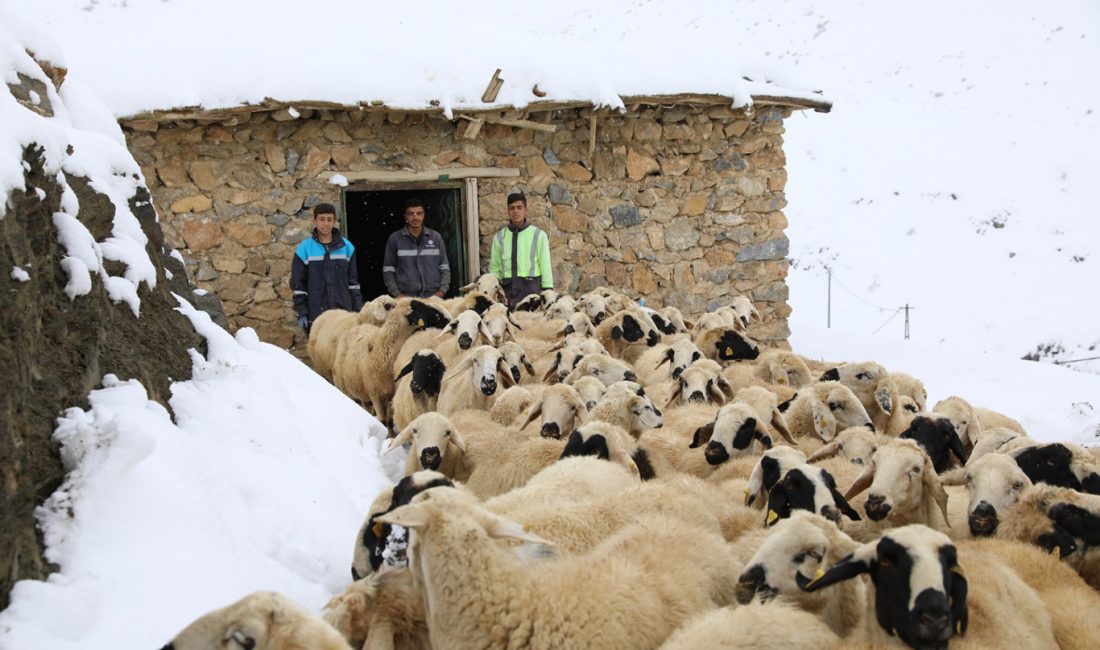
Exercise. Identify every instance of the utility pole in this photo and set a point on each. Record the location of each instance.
(829, 301)
(907, 308)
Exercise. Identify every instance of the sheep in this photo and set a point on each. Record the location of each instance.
(939, 440)
(854, 444)
(436, 445)
(745, 310)
(766, 405)
(1061, 463)
(678, 355)
(594, 306)
(823, 409)
(489, 285)
(262, 620)
(797, 550)
(370, 366)
(998, 439)
(675, 320)
(474, 380)
(872, 384)
(531, 303)
(326, 336)
(771, 626)
(701, 382)
(560, 308)
(567, 482)
(767, 471)
(724, 344)
(383, 610)
(578, 323)
(498, 325)
(607, 369)
(566, 359)
(417, 387)
(482, 596)
(807, 487)
(923, 588)
(911, 387)
(970, 421)
(512, 402)
(995, 483)
(772, 369)
(623, 406)
(901, 418)
(735, 429)
(561, 409)
(590, 390)
(455, 339)
(627, 334)
(475, 300)
(903, 488)
(516, 359)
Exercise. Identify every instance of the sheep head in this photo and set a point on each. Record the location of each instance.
(936, 435)
(679, 356)
(602, 367)
(855, 444)
(561, 409)
(488, 369)
(604, 441)
(811, 488)
(900, 482)
(995, 483)
(421, 315)
(430, 434)
(516, 359)
(768, 470)
(427, 371)
(725, 344)
(262, 620)
(731, 435)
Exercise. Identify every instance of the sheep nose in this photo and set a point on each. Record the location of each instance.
(677, 371)
(515, 374)
(830, 513)
(748, 583)
(430, 458)
(653, 339)
(551, 430)
(716, 454)
(983, 521)
(416, 387)
(1092, 483)
(630, 376)
(489, 385)
(697, 396)
(464, 341)
(876, 507)
(830, 375)
(569, 329)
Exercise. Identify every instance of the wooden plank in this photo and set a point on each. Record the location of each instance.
(473, 127)
(473, 231)
(450, 173)
(521, 124)
(592, 136)
(491, 91)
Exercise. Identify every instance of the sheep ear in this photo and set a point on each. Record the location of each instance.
(677, 393)
(413, 515)
(463, 366)
(779, 423)
(499, 527)
(468, 287)
(935, 488)
(510, 330)
(826, 451)
(702, 436)
(505, 372)
(527, 366)
(404, 371)
(449, 327)
(513, 322)
(854, 565)
(552, 372)
(557, 346)
(956, 446)
(666, 358)
(974, 430)
(457, 440)
(690, 325)
(862, 482)
(824, 422)
(882, 396)
(403, 438)
(536, 411)
(959, 588)
(956, 476)
(486, 335)
(718, 394)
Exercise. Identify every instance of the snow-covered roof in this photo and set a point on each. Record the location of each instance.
(149, 58)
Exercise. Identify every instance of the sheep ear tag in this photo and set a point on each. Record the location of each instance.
(377, 528)
(420, 322)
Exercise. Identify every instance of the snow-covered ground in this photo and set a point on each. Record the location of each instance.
(954, 174)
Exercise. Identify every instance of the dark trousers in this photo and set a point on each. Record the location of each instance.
(519, 288)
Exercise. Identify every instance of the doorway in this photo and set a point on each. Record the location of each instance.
(373, 211)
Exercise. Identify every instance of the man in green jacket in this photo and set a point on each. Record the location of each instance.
(520, 254)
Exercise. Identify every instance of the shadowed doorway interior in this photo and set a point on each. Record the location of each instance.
(373, 211)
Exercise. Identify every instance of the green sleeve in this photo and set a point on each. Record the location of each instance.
(494, 258)
(545, 268)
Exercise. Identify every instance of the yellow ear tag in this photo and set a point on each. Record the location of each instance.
(819, 574)
(772, 517)
(377, 528)
(821, 422)
(958, 627)
(1056, 551)
(420, 323)
(729, 352)
(782, 381)
(748, 496)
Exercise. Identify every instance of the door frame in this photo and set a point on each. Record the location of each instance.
(470, 218)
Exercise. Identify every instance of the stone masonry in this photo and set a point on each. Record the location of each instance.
(680, 205)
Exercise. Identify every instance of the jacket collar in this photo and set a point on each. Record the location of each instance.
(337, 238)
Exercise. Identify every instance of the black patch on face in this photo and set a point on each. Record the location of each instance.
(482, 304)
(770, 472)
(715, 453)
(427, 374)
(532, 302)
(1091, 484)
(653, 338)
(752, 582)
(632, 331)
(1076, 521)
(939, 440)
(1049, 464)
(743, 438)
(403, 492)
(578, 446)
(465, 341)
(432, 317)
(932, 622)
(734, 347)
(794, 492)
(645, 467)
(786, 405)
(831, 374)
(665, 326)
(1058, 539)
(616, 332)
(838, 499)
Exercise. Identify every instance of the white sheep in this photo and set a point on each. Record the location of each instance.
(482, 596)
(855, 444)
(516, 358)
(923, 589)
(561, 410)
(903, 488)
(473, 381)
(757, 626)
(970, 420)
(489, 285)
(607, 369)
(773, 369)
(701, 382)
(513, 402)
(557, 366)
(590, 389)
(453, 341)
(436, 445)
(626, 405)
(823, 409)
(262, 620)
(872, 384)
(326, 338)
(382, 610)
(676, 355)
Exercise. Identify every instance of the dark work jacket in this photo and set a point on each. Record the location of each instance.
(323, 276)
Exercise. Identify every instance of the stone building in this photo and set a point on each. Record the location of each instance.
(676, 199)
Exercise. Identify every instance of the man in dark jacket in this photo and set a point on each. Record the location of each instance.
(323, 275)
(415, 263)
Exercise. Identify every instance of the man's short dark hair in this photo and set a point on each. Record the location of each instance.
(412, 203)
(324, 208)
(517, 196)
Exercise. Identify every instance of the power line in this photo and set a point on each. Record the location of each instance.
(887, 320)
(857, 296)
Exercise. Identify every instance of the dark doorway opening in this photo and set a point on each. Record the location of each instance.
(372, 213)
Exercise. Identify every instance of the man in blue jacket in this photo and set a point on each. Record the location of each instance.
(415, 263)
(323, 274)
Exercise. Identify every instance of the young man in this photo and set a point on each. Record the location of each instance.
(323, 274)
(520, 254)
(415, 263)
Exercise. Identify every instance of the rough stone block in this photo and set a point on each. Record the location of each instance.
(624, 216)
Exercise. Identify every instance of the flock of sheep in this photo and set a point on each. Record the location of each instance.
(589, 473)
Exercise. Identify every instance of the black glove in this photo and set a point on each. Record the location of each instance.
(303, 322)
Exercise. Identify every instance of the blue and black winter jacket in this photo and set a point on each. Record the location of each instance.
(323, 276)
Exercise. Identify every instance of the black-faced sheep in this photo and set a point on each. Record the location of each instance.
(263, 620)
(482, 595)
(810, 488)
(677, 356)
(417, 387)
(767, 471)
(939, 440)
(725, 345)
(924, 588)
(627, 334)
(1061, 463)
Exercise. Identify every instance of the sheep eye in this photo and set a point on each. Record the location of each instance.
(840, 447)
(835, 406)
(595, 371)
(1018, 485)
(861, 375)
(447, 434)
(911, 408)
(816, 554)
(915, 470)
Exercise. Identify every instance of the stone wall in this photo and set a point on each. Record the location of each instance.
(681, 205)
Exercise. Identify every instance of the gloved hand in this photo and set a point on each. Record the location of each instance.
(303, 322)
